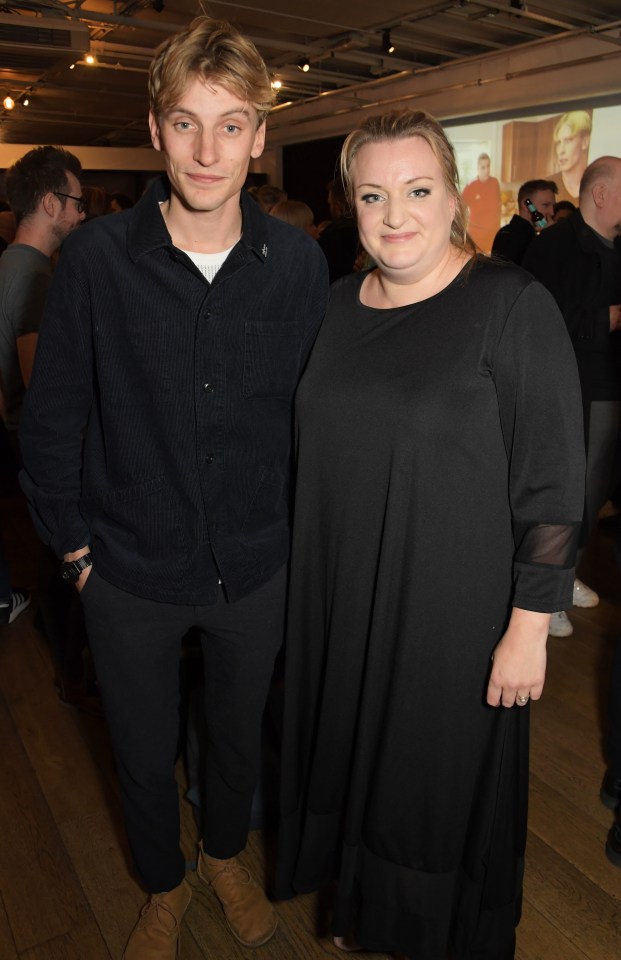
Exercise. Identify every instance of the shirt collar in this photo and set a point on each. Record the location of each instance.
(256, 226)
(147, 230)
(585, 233)
(598, 236)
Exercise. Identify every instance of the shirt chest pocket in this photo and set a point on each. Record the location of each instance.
(271, 359)
(134, 370)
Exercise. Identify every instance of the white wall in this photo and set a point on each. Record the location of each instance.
(93, 158)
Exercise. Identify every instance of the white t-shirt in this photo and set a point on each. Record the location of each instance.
(208, 263)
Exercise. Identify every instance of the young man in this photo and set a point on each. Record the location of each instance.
(44, 192)
(43, 189)
(175, 335)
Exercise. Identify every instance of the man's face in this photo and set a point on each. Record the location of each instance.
(484, 166)
(69, 215)
(544, 203)
(208, 139)
(571, 149)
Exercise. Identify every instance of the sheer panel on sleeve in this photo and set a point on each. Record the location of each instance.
(550, 544)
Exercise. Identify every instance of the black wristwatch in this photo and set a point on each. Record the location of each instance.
(71, 569)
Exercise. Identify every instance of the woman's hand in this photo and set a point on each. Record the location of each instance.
(519, 660)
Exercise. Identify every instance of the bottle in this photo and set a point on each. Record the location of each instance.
(538, 219)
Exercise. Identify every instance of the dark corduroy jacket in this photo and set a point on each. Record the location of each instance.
(157, 426)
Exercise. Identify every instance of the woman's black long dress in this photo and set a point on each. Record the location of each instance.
(440, 469)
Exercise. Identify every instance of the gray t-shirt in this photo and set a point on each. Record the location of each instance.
(25, 275)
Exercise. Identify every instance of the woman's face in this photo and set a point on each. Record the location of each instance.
(403, 208)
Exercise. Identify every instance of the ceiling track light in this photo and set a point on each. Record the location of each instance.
(304, 65)
(8, 103)
(387, 44)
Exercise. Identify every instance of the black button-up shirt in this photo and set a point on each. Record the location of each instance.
(157, 425)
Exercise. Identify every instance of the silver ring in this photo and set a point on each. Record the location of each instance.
(523, 700)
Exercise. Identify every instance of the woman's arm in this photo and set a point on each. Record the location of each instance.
(541, 413)
(519, 660)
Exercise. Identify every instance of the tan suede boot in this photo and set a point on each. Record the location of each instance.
(250, 916)
(157, 934)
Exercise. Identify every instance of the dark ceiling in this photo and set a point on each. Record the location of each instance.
(44, 45)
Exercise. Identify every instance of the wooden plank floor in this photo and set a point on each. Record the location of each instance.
(65, 889)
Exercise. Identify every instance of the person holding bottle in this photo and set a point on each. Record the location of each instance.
(513, 240)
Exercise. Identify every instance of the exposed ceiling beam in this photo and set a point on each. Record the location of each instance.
(526, 13)
(438, 31)
(503, 22)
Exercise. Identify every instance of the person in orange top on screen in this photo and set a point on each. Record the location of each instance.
(482, 197)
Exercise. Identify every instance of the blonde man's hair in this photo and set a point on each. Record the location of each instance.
(400, 125)
(578, 121)
(215, 52)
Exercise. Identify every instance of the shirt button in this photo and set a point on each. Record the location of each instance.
(209, 459)
(209, 387)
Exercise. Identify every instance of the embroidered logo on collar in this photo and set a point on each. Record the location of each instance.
(264, 250)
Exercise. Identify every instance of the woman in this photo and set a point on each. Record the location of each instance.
(439, 492)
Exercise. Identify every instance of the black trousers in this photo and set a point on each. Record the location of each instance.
(614, 714)
(136, 646)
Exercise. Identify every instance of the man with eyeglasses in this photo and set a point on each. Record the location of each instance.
(80, 201)
(44, 193)
(43, 190)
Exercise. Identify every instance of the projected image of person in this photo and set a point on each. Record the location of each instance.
(572, 136)
(482, 197)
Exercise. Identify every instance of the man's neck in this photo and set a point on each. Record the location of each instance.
(34, 236)
(592, 220)
(204, 231)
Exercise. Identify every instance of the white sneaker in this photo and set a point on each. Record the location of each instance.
(583, 595)
(560, 625)
(10, 611)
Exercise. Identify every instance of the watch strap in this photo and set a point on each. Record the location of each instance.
(71, 569)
